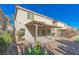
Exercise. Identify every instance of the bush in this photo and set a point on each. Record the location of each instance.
(77, 39)
(5, 40)
(3, 45)
(37, 50)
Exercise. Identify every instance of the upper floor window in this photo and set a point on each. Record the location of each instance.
(30, 15)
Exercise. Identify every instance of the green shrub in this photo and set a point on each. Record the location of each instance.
(77, 40)
(37, 50)
(5, 40)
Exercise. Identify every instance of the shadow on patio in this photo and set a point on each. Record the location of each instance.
(69, 47)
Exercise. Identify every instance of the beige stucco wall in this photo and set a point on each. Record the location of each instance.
(42, 19)
(62, 25)
(20, 21)
(56, 32)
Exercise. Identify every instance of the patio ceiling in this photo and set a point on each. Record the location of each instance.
(42, 24)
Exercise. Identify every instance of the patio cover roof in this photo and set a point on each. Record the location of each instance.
(42, 24)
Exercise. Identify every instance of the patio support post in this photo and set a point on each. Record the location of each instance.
(60, 31)
(51, 33)
(36, 32)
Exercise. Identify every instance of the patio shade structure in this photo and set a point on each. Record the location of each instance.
(42, 24)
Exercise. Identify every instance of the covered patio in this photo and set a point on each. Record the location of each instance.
(40, 31)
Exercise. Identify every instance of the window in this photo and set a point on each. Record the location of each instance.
(49, 32)
(53, 29)
(43, 32)
(30, 15)
(53, 34)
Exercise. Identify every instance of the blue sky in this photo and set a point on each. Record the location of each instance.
(67, 13)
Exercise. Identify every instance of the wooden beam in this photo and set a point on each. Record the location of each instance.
(51, 33)
(36, 32)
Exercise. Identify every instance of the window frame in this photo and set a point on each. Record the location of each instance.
(49, 32)
(43, 33)
(30, 15)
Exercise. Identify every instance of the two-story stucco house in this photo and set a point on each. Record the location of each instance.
(36, 27)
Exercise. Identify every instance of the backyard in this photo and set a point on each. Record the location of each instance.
(63, 46)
